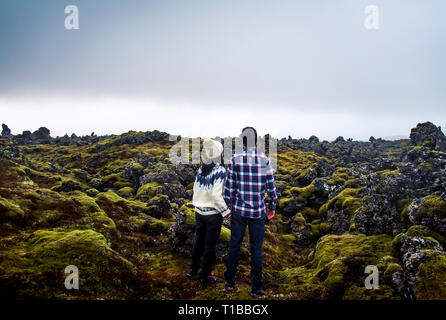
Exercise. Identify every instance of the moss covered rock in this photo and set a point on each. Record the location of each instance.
(429, 211)
(147, 191)
(337, 268)
(431, 282)
(45, 255)
(10, 212)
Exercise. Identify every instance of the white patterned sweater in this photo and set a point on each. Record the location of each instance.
(208, 192)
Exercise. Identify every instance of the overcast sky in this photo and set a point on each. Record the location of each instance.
(208, 68)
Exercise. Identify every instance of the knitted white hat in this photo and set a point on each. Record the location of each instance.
(212, 149)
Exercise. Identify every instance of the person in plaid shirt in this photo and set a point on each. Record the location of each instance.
(249, 176)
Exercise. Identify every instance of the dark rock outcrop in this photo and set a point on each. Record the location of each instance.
(429, 135)
(377, 215)
(6, 132)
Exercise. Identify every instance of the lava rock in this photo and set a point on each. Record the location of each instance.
(378, 215)
(6, 132)
(428, 135)
(68, 186)
(429, 211)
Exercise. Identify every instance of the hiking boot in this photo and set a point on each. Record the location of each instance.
(192, 273)
(257, 292)
(230, 284)
(204, 282)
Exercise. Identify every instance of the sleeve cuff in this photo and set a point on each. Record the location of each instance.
(225, 212)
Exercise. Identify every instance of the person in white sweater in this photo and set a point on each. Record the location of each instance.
(210, 209)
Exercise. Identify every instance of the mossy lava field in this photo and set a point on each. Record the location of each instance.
(118, 209)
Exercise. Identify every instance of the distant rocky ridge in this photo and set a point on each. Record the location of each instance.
(426, 134)
(42, 136)
(344, 150)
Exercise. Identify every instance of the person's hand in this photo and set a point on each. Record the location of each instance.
(227, 215)
(227, 220)
(271, 214)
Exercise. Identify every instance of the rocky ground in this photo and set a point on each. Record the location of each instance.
(118, 209)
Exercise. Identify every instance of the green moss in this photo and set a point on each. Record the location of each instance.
(384, 292)
(92, 192)
(426, 165)
(425, 232)
(337, 265)
(189, 212)
(352, 183)
(58, 182)
(49, 217)
(158, 197)
(323, 210)
(383, 176)
(126, 191)
(88, 203)
(386, 173)
(336, 274)
(159, 225)
(432, 206)
(46, 254)
(325, 228)
(303, 173)
(315, 230)
(115, 165)
(138, 166)
(340, 177)
(396, 245)
(117, 181)
(20, 170)
(296, 163)
(301, 283)
(351, 205)
(9, 211)
(116, 204)
(147, 191)
(302, 193)
(93, 216)
(402, 206)
(431, 283)
(390, 270)
(299, 219)
(416, 231)
(225, 234)
(288, 238)
(283, 202)
(309, 213)
(332, 251)
(347, 200)
(368, 247)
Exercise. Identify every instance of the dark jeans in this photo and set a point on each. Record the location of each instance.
(256, 229)
(207, 232)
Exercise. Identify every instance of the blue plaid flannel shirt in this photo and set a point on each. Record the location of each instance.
(249, 176)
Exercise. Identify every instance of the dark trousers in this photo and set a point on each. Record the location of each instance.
(207, 232)
(256, 229)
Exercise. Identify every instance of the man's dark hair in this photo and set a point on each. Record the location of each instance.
(249, 135)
